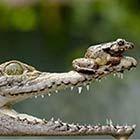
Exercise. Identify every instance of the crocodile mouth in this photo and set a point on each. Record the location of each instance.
(21, 81)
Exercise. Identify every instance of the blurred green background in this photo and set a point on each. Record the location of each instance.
(49, 34)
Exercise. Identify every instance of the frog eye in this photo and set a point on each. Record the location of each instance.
(121, 42)
(14, 69)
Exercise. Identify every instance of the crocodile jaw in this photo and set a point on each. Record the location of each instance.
(19, 81)
(47, 83)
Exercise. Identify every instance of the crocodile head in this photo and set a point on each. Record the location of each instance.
(19, 81)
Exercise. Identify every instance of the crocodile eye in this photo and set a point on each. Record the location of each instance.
(121, 42)
(14, 69)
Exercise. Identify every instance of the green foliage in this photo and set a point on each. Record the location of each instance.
(95, 18)
(23, 19)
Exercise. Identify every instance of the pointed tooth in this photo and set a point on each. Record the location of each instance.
(56, 91)
(79, 89)
(87, 86)
(98, 80)
(52, 119)
(117, 126)
(121, 75)
(71, 87)
(114, 74)
(126, 125)
(35, 96)
(110, 122)
(42, 96)
(134, 126)
(107, 121)
(49, 94)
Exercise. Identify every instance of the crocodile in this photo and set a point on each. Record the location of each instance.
(20, 81)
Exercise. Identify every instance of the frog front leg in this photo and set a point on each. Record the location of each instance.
(85, 65)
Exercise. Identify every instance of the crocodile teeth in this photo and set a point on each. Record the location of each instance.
(87, 86)
(42, 96)
(131, 68)
(98, 80)
(109, 122)
(56, 91)
(79, 90)
(49, 94)
(71, 88)
(114, 74)
(126, 125)
(35, 96)
(120, 75)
